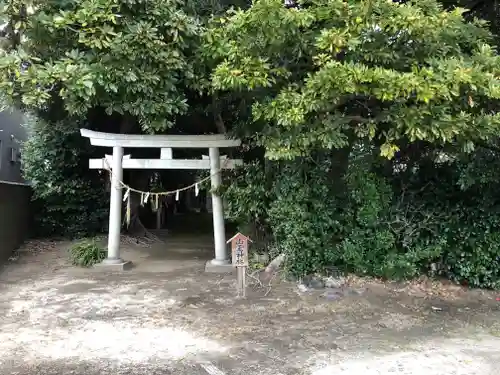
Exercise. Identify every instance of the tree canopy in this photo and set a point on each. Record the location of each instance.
(131, 58)
(328, 72)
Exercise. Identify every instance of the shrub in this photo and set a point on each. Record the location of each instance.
(291, 205)
(86, 253)
(390, 226)
(248, 193)
(69, 199)
(472, 256)
(302, 217)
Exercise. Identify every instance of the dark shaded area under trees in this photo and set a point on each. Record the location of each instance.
(354, 159)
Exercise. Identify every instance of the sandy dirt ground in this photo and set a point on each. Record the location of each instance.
(172, 318)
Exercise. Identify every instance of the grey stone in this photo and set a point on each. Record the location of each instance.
(355, 292)
(303, 288)
(122, 266)
(313, 282)
(316, 283)
(219, 268)
(334, 282)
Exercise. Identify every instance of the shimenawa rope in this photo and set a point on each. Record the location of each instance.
(169, 192)
(145, 195)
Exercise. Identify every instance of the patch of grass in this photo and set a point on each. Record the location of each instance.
(86, 253)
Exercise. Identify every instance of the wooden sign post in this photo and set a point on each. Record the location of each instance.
(239, 247)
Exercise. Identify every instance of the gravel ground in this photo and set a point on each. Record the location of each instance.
(58, 319)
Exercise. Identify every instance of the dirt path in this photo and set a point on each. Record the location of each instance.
(58, 319)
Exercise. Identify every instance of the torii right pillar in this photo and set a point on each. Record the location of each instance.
(220, 263)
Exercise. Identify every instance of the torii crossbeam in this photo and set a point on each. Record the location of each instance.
(165, 143)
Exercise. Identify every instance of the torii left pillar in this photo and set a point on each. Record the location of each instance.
(115, 213)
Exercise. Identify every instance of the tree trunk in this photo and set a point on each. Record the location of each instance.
(219, 122)
(139, 180)
(275, 264)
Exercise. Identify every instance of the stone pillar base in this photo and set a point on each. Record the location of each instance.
(217, 267)
(114, 265)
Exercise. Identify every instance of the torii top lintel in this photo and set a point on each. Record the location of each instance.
(158, 141)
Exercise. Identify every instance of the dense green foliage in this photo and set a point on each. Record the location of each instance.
(117, 66)
(127, 57)
(391, 226)
(342, 86)
(488, 10)
(371, 125)
(335, 71)
(68, 202)
(86, 253)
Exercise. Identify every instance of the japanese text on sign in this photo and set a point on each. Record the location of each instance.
(239, 253)
(239, 247)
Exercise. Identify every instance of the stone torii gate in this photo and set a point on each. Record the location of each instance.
(165, 143)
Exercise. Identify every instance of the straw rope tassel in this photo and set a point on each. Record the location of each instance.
(128, 211)
(126, 195)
